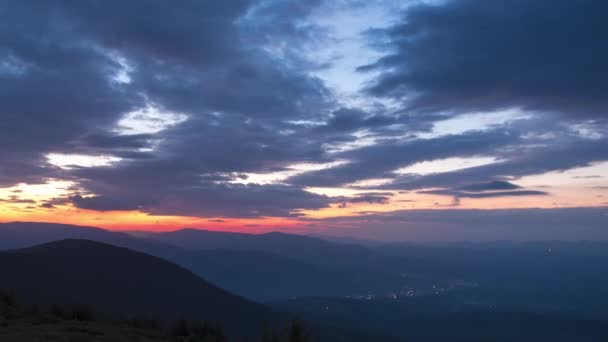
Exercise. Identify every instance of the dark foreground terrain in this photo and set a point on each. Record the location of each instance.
(112, 293)
(23, 321)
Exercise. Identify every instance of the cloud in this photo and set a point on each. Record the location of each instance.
(193, 59)
(491, 185)
(236, 82)
(476, 55)
(104, 203)
(518, 161)
(16, 200)
(384, 157)
(204, 199)
(573, 224)
(370, 198)
(53, 202)
(486, 194)
(490, 189)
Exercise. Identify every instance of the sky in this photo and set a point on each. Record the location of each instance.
(388, 120)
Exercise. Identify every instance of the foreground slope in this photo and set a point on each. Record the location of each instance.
(120, 281)
(69, 331)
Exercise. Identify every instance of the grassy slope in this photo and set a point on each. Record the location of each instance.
(76, 331)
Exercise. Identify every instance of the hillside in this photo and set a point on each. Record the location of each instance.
(120, 281)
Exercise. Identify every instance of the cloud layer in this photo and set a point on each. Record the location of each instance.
(475, 55)
(214, 93)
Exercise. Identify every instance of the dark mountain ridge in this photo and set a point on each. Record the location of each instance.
(300, 247)
(121, 281)
(249, 271)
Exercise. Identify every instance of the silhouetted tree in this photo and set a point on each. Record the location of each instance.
(82, 313)
(8, 299)
(297, 332)
(59, 311)
(143, 323)
(270, 336)
(8, 304)
(179, 328)
(197, 331)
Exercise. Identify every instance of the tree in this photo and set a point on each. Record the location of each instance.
(179, 328)
(297, 332)
(270, 336)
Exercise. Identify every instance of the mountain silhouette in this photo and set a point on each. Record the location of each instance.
(304, 248)
(121, 281)
(245, 268)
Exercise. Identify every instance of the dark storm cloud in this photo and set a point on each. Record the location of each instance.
(53, 202)
(60, 94)
(491, 185)
(284, 23)
(102, 203)
(477, 55)
(239, 73)
(64, 54)
(488, 189)
(216, 200)
(58, 89)
(349, 120)
(520, 149)
(520, 160)
(184, 179)
(16, 200)
(371, 198)
(200, 32)
(382, 158)
(23, 168)
(105, 140)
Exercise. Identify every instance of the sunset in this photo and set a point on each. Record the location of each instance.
(428, 130)
(288, 114)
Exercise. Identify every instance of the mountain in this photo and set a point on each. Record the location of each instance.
(251, 272)
(268, 277)
(120, 281)
(372, 271)
(304, 248)
(14, 235)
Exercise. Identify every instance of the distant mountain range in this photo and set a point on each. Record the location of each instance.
(264, 267)
(303, 248)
